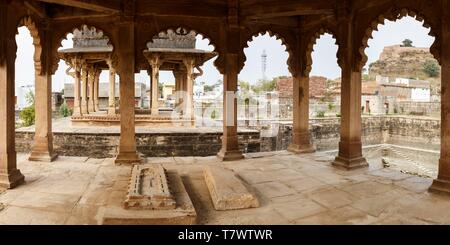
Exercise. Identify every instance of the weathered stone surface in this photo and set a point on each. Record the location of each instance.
(226, 190)
(83, 142)
(149, 189)
(183, 214)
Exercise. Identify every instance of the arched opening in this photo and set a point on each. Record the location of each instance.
(401, 85)
(265, 87)
(183, 87)
(324, 92)
(25, 78)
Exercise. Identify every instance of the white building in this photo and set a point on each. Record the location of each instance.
(21, 95)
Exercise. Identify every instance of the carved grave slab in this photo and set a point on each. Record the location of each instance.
(149, 189)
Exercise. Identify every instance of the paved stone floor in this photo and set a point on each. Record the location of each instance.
(292, 190)
(64, 125)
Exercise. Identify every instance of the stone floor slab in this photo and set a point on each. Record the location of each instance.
(274, 189)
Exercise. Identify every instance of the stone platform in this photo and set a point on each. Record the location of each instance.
(103, 142)
(101, 119)
(291, 189)
(182, 214)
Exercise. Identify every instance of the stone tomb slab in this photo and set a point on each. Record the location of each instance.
(226, 190)
(149, 189)
(184, 212)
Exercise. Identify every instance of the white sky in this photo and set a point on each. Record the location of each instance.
(324, 55)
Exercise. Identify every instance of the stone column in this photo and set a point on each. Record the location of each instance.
(177, 74)
(96, 89)
(76, 88)
(155, 63)
(91, 103)
(230, 145)
(301, 140)
(350, 145)
(442, 183)
(126, 66)
(183, 94)
(189, 105)
(84, 90)
(10, 176)
(42, 149)
(112, 92)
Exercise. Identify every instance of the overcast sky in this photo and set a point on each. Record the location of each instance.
(324, 55)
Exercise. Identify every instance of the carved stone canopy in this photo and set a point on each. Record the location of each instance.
(179, 39)
(89, 37)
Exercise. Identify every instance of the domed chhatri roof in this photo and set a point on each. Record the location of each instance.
(178, 39)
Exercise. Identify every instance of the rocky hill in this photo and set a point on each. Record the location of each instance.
(407, 62)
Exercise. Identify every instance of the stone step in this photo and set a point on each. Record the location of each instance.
(226, 190)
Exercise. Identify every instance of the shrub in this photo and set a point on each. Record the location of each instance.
(431, 68)
(320, 114)
(213, 115)
(331, 106)
(27, 115)
(64, 110)
(338, 114)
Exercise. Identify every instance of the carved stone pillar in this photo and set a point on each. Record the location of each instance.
(112, 92)
(189, 105)
(76, 88)
(230, 145)
(42, 149)
(125, 52)
(301, 140)
(178, 79)
(91, 102)
(10, 176)
(96, 89)
(442, 183)
(350, 145)
(84, 89)
(155, 63)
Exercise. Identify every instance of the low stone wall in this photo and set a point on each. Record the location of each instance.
(325, 133)
(413, 132)
(105, 145)
(424, 108)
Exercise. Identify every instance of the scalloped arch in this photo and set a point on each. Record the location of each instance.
(271, 33)
(394, 15)
(310, 48)
(30, 24)
(188, 30)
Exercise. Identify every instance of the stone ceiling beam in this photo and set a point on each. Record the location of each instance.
(36, 8)
(260, 10)
(181, 8)
(110, 6)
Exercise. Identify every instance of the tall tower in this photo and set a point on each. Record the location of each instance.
(264, 64)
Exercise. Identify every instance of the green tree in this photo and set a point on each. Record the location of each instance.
(431, 68)
(28, 114)
(245, 86)
(265, 86)
(64, 110)
(208, 88)
(407, 43)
